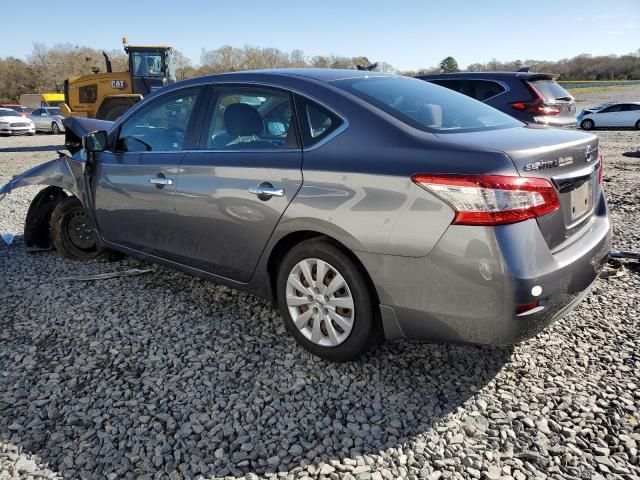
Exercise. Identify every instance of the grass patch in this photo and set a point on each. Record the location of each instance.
(581, 91)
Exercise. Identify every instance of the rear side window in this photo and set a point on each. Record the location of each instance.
(425, 106)
(250, 119)
(485, 89)
(633, 107)
(551, 90)
(478, 89)
(316, 122)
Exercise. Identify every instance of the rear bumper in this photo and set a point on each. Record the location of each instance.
(468, 287)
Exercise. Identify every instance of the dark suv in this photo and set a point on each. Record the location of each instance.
(529, 97)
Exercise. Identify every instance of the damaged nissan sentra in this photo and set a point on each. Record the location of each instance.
(367, 206)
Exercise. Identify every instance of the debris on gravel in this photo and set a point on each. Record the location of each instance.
(164, 375)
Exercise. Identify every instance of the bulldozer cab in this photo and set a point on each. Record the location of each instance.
(150, 67)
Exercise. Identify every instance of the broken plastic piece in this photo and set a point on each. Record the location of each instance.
(625, 255)
(7, 237)
(105, 276)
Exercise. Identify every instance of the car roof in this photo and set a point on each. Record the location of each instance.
(319, 74)
(495, 75)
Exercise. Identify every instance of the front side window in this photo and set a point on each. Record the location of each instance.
(246, 119)
(425, 106)
(612, 109)
(161, 126)
(147, 64)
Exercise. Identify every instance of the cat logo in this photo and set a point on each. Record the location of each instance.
(118, 84)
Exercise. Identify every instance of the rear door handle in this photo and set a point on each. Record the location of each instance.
(267, 191)
(161, 181)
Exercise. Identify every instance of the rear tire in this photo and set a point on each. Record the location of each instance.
(587, 124)
(72, 233)
(638, 125)
(335, 325)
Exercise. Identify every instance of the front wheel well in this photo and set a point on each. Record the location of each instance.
(36, 225)
(289, 241)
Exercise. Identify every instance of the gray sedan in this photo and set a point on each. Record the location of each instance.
(367, 206)
(47, 119)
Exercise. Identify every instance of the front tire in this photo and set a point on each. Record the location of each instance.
(326, 301)
(72, 233)
(638, 125)
(587, 124)
(55, 129)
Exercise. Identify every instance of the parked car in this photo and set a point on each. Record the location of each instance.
(48, 119)
(417, 212)
(23, 111)
(625, 114)
(12, 123)
(529, 97)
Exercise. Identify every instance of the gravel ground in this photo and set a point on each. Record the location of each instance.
(164, 375)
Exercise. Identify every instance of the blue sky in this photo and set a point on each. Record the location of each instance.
(407, 34)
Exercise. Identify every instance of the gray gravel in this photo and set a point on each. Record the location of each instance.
(164, 375)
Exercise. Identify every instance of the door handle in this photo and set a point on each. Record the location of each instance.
(267, 191)
(161, 181)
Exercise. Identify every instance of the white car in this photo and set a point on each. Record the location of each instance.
(625, 114)
(12, 123)
(47, 119)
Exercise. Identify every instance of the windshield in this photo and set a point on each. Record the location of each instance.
(9, 113)
(551, 90)
(426, 106)
(53, 111)
(147, 64)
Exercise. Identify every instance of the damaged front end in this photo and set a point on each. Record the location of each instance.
(64, 176)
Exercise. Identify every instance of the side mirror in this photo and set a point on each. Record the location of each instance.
(95, 141)
(44, 114)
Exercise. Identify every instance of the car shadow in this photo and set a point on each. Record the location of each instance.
(632, 154)
(36, 148)
(210, 372)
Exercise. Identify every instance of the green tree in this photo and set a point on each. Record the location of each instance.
(448, 65)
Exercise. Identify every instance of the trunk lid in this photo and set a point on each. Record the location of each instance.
(568, 158)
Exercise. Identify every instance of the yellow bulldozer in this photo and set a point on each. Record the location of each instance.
(106, 96)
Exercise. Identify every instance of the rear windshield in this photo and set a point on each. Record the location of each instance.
(426, 106)
(551, 90)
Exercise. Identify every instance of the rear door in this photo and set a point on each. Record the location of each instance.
(234, 189)
(630, 115)
(135, 183)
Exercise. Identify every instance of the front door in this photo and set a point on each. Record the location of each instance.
(234, 189)
(134, 185)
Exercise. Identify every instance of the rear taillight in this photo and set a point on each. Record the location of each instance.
(537, 106)
(491, 199)
(601, 171)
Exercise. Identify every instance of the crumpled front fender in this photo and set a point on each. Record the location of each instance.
(64, 172)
